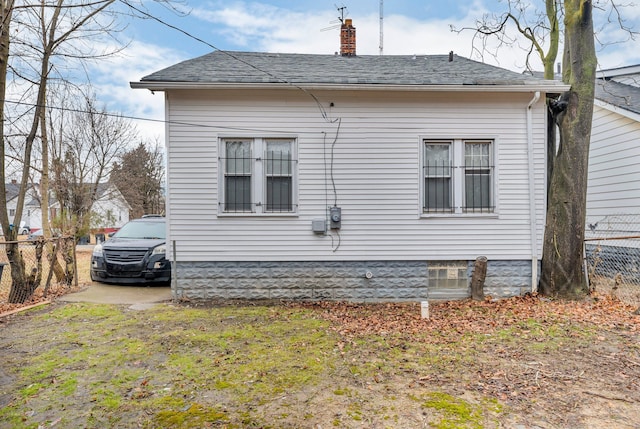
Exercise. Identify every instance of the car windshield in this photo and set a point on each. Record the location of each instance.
(147, 229)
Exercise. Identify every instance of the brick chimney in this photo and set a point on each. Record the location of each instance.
(347, 39)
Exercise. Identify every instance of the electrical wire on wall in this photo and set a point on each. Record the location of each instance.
(319, 105)
(328, 171)
(328, 157)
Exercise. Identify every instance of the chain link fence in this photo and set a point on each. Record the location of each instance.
(612, 250)
(50, 266)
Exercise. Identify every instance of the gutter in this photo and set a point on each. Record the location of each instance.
(549, 87)
(532, 197)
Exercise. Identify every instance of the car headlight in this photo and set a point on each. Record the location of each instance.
(97, 250)
(160, 250)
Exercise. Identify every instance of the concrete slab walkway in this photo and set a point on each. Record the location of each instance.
(100, 293)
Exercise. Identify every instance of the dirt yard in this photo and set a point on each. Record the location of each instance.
(522, 363)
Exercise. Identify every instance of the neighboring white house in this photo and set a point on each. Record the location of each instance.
(613, 193)
(31, 212)
(426, 162)
(614, 156)
(109, 212)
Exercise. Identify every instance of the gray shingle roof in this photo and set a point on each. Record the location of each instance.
(12, 190)
(236, 68)
(618, 94)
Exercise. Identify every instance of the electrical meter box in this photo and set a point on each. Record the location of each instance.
(335, 217)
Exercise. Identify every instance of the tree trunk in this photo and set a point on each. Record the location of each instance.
(21, 287)
(562, 261)
(478, 277)
(6, 12)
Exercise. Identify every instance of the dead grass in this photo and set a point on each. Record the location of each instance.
(523, 362)
(626, 290)
(83, 260)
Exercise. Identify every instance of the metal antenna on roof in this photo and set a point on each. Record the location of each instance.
(340, 19)
(341, 10)
(381, 29)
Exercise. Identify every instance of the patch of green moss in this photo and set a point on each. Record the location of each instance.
(68, 386)
(163, 402)
(86, 311)
(31, 390)
(454, 412)
(257, 359)
(354, 411)
(11, 417)
(106, 397)
(194, 416)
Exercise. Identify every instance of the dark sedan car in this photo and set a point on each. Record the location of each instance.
(133, 255)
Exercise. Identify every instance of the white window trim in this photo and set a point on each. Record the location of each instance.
(258, 186)
(457, 149)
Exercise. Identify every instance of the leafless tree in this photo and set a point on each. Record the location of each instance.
(542, 31)
(38, 33)
(42, 42)
(92, 141)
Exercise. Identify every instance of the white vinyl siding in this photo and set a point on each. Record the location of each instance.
(614, 165)
(365, 158)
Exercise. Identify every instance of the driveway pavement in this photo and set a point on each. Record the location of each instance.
(116, 294)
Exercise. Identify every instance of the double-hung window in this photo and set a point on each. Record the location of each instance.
(458, 176)
(258, 175)
(438, 167)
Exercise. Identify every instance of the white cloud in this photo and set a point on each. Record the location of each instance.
(111, 79)
(266, 28)
(259, 27)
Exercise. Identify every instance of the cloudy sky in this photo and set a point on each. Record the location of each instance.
(309, 26)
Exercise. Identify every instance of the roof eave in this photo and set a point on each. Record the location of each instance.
(617, 109)
(554, 87)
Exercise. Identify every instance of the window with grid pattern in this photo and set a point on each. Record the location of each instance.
(437, 177)
(458, 176)
(258, 175)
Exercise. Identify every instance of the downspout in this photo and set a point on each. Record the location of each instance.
(532, 196)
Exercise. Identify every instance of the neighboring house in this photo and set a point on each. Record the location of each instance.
(109, 212)
(111, 209)
(30, 213)
(426, 163)
(613, 193)
(614, 156)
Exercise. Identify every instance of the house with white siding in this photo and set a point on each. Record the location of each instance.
(31, 204)
(614, 156)
(347, 177)
(613, 193)
(109, 212)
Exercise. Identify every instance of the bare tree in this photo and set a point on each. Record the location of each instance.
(47, 29)
(6, 12)
(92, 140)
(39, 42)
(569, 21)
